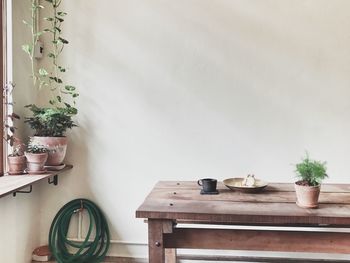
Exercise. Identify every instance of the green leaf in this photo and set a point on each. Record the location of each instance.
(57, 80)
(48, 30)
(73, 111)
(27, 48)
(59, 19)
(58, 29)
(64, 41)
(70, 88)
(43, 72)
(75, 95)
(38, 34)
(62, 69)
(59, 98)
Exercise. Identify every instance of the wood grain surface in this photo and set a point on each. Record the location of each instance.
(181, 200)
(261, 240)
(12, 183)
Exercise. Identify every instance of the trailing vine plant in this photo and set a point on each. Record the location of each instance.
(30, 48)
(52, 78)
(9, 124)
(55, 119)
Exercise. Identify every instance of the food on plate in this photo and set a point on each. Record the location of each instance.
(249, 180)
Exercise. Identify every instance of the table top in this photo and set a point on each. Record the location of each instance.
(181, 200)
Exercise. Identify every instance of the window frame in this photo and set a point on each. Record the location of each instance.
(3, 82)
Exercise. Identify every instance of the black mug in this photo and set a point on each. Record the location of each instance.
(208, 184)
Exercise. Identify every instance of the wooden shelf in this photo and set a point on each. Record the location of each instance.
(13, 183)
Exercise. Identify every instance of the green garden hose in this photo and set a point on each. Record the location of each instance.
(92, 249)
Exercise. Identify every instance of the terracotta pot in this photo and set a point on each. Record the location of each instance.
(307, 196)
(57, 147)
(36, 161)
(16, 164)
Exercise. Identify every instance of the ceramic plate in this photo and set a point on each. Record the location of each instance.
(236, 184)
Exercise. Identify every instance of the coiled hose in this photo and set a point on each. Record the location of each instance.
(92, 249)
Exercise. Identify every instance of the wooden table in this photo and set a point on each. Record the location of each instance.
(170, 203)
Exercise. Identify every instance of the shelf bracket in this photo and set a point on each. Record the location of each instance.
(53, 181)
(23, 192)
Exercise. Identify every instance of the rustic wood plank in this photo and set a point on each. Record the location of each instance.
(280, 187)
(232, 196)
(245, 212)
(259, 240)
(155, 240)
(12, 183)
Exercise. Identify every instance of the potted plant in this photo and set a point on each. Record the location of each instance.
(311, 174)
(50, 125)
(16, 161)
(36, 158)
(51, 122)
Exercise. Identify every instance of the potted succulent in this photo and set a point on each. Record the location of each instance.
(51, 122)
(36, 158)
(16, 161)
(311, 174)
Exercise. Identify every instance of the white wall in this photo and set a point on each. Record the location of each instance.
(179, 90)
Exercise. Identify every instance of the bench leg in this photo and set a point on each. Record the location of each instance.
(156, 230)
(170, 255)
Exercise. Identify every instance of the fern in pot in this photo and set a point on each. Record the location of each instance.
(311, 174)
(51, 122)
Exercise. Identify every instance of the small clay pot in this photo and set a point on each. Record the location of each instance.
(16, 164)
(36, 161)
(307, 196)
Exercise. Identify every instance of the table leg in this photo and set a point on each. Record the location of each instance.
(156, 230)
(170, 255)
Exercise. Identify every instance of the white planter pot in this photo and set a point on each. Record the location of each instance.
(36, 161)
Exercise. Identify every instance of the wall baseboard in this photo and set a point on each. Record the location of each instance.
(206, 258)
